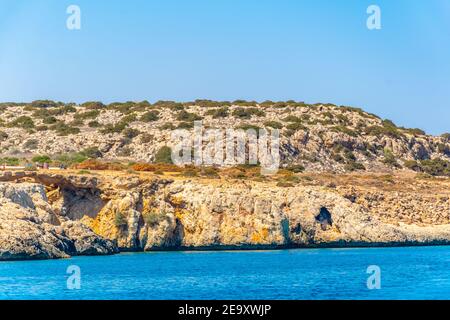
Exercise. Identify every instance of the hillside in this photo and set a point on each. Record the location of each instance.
(319, 137)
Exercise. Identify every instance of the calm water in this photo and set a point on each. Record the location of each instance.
(406, 273)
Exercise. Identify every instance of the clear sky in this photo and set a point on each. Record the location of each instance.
(306, 50)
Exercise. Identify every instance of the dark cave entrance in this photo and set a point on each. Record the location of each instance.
(324, 218)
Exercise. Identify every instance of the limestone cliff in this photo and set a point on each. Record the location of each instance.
(30, 229)
(149, 212)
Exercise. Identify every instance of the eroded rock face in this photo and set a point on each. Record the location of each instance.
(196, 215)
(30, 229)
(144, 214)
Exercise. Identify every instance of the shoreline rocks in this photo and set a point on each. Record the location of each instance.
(193, 214)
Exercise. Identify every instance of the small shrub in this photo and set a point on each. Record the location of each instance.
(62, 129)
(353, 166)
(247, 113)
(49, 120)
(292, 118)
(152, 218)
(120, 220)
(91, 152)
(93, 105)
(164, 155)
(247, 126)
(218, 113)
(296, 126)
(41, 159)
(273, 124)
(9, 161)
(24, 122)
(114, 128)
(296, 168)
(188, 116)
(150, 116)
(389, 158)
(130, 133)
(94, 124)
(345, 130)
(31, 144)
(185, 125)
(146, 138)
(3, 136)
(44, 104)
(167, 126)
(92, 114)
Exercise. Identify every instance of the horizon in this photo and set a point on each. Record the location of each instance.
(313, 51)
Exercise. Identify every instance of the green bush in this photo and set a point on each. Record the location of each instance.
(292, 118)
(94, 124)
(50, 120)
(446, 136)
(435, 167)
(152, 218)
(9, 161)
(41, 159)
(146, 138)
(41, 128)
(247, 113)
(296, 126)
(129, 118)
(164, 155)
(188, 116)
(345, 130)
(44, 104)
(3, 136)
(150, 116)
(70, 158)
(120, 221)
(167, 126)
(273, 124)
(62, 129)
(92, 114)
(353, 166)
(412, 165)
(93, 105)
(91, 152)
(247, 126)
(31, 144)
(296, 168)
(218, 113)
(414, 131)
(22, 122)
(77, 123)
(385, 130)
(185, 125)
(130, 133)
(389, 158)
(114, 128)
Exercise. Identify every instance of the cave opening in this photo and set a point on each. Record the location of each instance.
(324, 218)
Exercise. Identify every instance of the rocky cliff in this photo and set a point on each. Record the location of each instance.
(30, 229)
(49, 215)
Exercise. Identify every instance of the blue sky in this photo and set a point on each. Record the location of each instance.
(306, 50)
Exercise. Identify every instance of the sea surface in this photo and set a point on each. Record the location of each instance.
(405, 273)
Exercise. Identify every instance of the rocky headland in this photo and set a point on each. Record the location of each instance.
(55, 215)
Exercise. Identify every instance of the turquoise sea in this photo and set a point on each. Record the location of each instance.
(405, 273)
